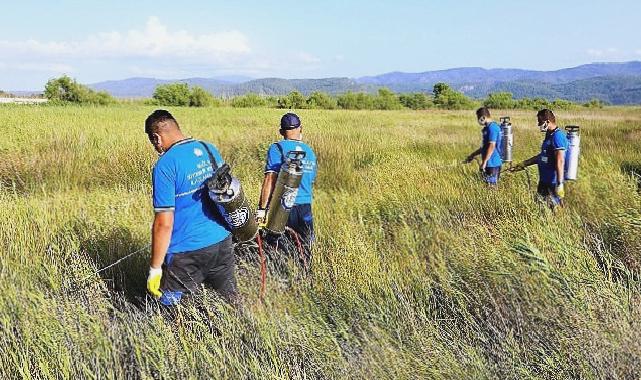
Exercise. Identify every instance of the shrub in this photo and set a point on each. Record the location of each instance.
(293, 100)
(67, 90)
(562, 104)
(500, 100)
(199, 97)
(386, 100)
(355, 101)
(595, 103)
(248, 100)
(172, 94)
(321, 100)
(533, 104)
(416, 101)
(447, 98)
(270, 101)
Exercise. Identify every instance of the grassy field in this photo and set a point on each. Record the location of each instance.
(419, 270)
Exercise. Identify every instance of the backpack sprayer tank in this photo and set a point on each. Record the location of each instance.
(507, 139)
(285, 191)
(228, 195)
(572, 155)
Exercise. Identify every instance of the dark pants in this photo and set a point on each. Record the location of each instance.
(301, 220)
(296, 241)
(214, 266)
(547, 191)
(491, 175)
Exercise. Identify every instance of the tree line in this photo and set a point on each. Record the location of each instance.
(65, 90)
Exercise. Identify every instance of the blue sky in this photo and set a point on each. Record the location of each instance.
(101, 40)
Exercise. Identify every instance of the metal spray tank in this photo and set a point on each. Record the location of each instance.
(285, 191)
(574, 150)
(229, 197)
(507, 139)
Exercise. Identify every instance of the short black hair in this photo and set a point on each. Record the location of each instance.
(157, 119)
(483, 112)
(546, 114)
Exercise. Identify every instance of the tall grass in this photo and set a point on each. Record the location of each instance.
(419, 270)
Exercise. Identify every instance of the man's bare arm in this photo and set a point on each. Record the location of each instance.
(160, 237)
(490, 149)
(560, 166)
(268, 186)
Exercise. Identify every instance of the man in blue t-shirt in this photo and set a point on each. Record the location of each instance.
(300, 216)
(190, 243)
(551, 160)
(490, 166)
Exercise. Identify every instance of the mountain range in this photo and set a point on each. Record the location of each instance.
(615, 83)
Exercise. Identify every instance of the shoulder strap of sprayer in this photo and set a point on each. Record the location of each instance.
(212, 159)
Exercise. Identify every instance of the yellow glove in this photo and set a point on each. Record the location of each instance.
(518, 167)
(560, 191)
(153, 282)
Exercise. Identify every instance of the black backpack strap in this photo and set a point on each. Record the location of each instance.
(212, 159)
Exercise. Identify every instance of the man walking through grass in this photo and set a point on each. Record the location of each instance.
(490, 166)
(550, 161)
(300, 217)
(190, 245)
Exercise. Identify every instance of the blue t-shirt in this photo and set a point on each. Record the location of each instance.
(276, 157)
(492, 133)
(555, 140)
(178, 184)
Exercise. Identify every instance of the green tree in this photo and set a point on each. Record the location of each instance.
(248, 100)
(270, 101)
(386, 100)
(293, 100)
(172, 94)
(67, 90)
(355, 101)
(533, 104)
(199, 97)
(500, 100)
(594, 103)
(416, 101)
(321, 100)
(447, 98)
(440, 89)
(562, 104)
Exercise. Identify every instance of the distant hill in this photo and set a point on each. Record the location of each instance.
(615, 83)
(477, 74)
(144, 87)
(278, 86)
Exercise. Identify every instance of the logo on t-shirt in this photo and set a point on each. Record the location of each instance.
(198, 152)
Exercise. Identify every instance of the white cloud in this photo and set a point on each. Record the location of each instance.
(41, 67)
(153, 49)
(595, 52)
(154, 41)
(603, 53)
(307, 58)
